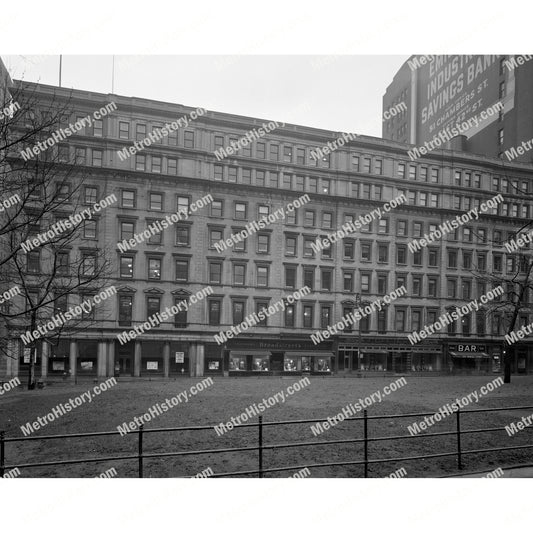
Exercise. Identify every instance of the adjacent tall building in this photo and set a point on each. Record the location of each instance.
(438, 92)
(259, 178)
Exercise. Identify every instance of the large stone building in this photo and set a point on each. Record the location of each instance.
(432, 93)
(258, 179)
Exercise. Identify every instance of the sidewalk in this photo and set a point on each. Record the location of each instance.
(525, 471)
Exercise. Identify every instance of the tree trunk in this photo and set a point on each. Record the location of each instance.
(33, 354)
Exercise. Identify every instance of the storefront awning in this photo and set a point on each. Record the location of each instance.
(309, 353)
(462, 355)
(244, 353)
(374, 352)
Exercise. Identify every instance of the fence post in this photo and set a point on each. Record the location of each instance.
(2, 453)
(260, 446)
(365, 436)
(141, 450)
(459, 463)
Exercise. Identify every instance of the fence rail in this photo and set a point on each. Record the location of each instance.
(261, 425)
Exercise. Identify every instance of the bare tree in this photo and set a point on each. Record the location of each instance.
(45, 192)
(515, 276)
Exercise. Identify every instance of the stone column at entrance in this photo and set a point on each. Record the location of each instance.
(101, 357)
(137, 359)
(166, 359)
(73, 358)
(196, 359)
(111, 358)
(44, 359)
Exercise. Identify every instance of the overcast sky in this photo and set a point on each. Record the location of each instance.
(339, 93)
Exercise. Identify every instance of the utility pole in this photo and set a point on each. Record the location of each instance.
(358, 304)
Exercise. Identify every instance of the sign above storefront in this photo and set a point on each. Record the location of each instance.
(274, 345)
(468, 348)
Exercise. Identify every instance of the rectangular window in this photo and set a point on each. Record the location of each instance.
(307, 316)
(401, 170)
(378, 166)
(260, 150)
(289, 316)
(215, 272)
(309, 278)
(274, 152)
(33, 262)
(239, 274)
(452, 258)
(156, 201)
(246, 176)
(140, 132)
(325, 316)
(183, 235)
(180, 318)
(154, 268)
(232, 174)
(89, 229)
(88, 264)
(432, 287)
(365, 283)
(401, 255)
(290, 245)
(127, 230)
(153, 306)
(290, 277)
(263, 243)
(90, 195)
(327, 276)
(401, 228)
(214, 312)
(451, 288)
(238, 312)
(219, 172)
(400, 320)
(433, 257)
(140, 162)
(125, 307)
(260, 178)
(260, 308)
(156, 164)
(215, 235)
(124, 130)
(98, 128)
(240, 211)
(366, 251)
(188, 139)
(349, 249)
(383, 253)
(182, 270)
(382, 284)
(308, 249)
(97, 158)
(262, 276)
(80, 156)
(62, 262)
(216, 208)
(348, 281)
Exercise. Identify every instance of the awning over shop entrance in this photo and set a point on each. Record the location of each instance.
(462, 355)
(308, 353)
(244, 353)
(374, 352)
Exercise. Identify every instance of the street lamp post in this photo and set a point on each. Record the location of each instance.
(358, 304)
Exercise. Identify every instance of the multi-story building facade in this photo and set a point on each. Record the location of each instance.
(432, 93)
(274, 261)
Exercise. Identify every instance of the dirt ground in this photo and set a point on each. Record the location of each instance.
(227, 397)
